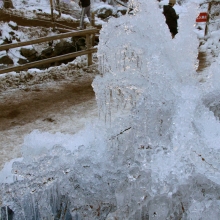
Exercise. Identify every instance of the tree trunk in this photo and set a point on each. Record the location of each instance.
(8, 4)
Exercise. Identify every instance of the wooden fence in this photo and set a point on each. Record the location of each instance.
(89, 33)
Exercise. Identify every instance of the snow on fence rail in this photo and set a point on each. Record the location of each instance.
(89, 33)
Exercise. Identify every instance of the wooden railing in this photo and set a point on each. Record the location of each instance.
(89, 33)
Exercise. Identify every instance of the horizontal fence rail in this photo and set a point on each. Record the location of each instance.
(55, 37)
(89, 33)
(49, 60)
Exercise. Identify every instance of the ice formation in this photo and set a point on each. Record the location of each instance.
(154, 152)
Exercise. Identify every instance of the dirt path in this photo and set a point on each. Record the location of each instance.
(64, 107)
(26, 106)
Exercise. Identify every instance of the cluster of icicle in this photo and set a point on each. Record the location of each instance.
(153, 154)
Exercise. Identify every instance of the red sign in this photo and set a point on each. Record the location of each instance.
(202, 17)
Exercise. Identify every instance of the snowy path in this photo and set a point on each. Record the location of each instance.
(61, 107)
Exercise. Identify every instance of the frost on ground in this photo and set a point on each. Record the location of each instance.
(154, 152)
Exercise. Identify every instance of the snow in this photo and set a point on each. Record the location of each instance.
(155, 147)
(33, 5)
(5, 31)
(100, 6)
(6, 176)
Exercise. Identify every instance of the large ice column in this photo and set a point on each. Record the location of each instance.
(145, 71)
(150, 98)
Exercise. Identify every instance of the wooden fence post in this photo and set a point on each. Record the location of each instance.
(93, 19)
(207, 21)
(58, 7)
(93, 25)
(52, 18)
(89, 45)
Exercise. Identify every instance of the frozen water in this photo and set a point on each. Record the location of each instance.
(154, 152)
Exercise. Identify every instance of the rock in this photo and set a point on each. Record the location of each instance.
(6, 60)
(7, 41)
(22, 61)
(104, 12)
(12, 33)
(63, 47)
(79, 42)
(8, 4)
(122, 10)
(13, 25)
(30, 54)
(27, 52)
(47, 53)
